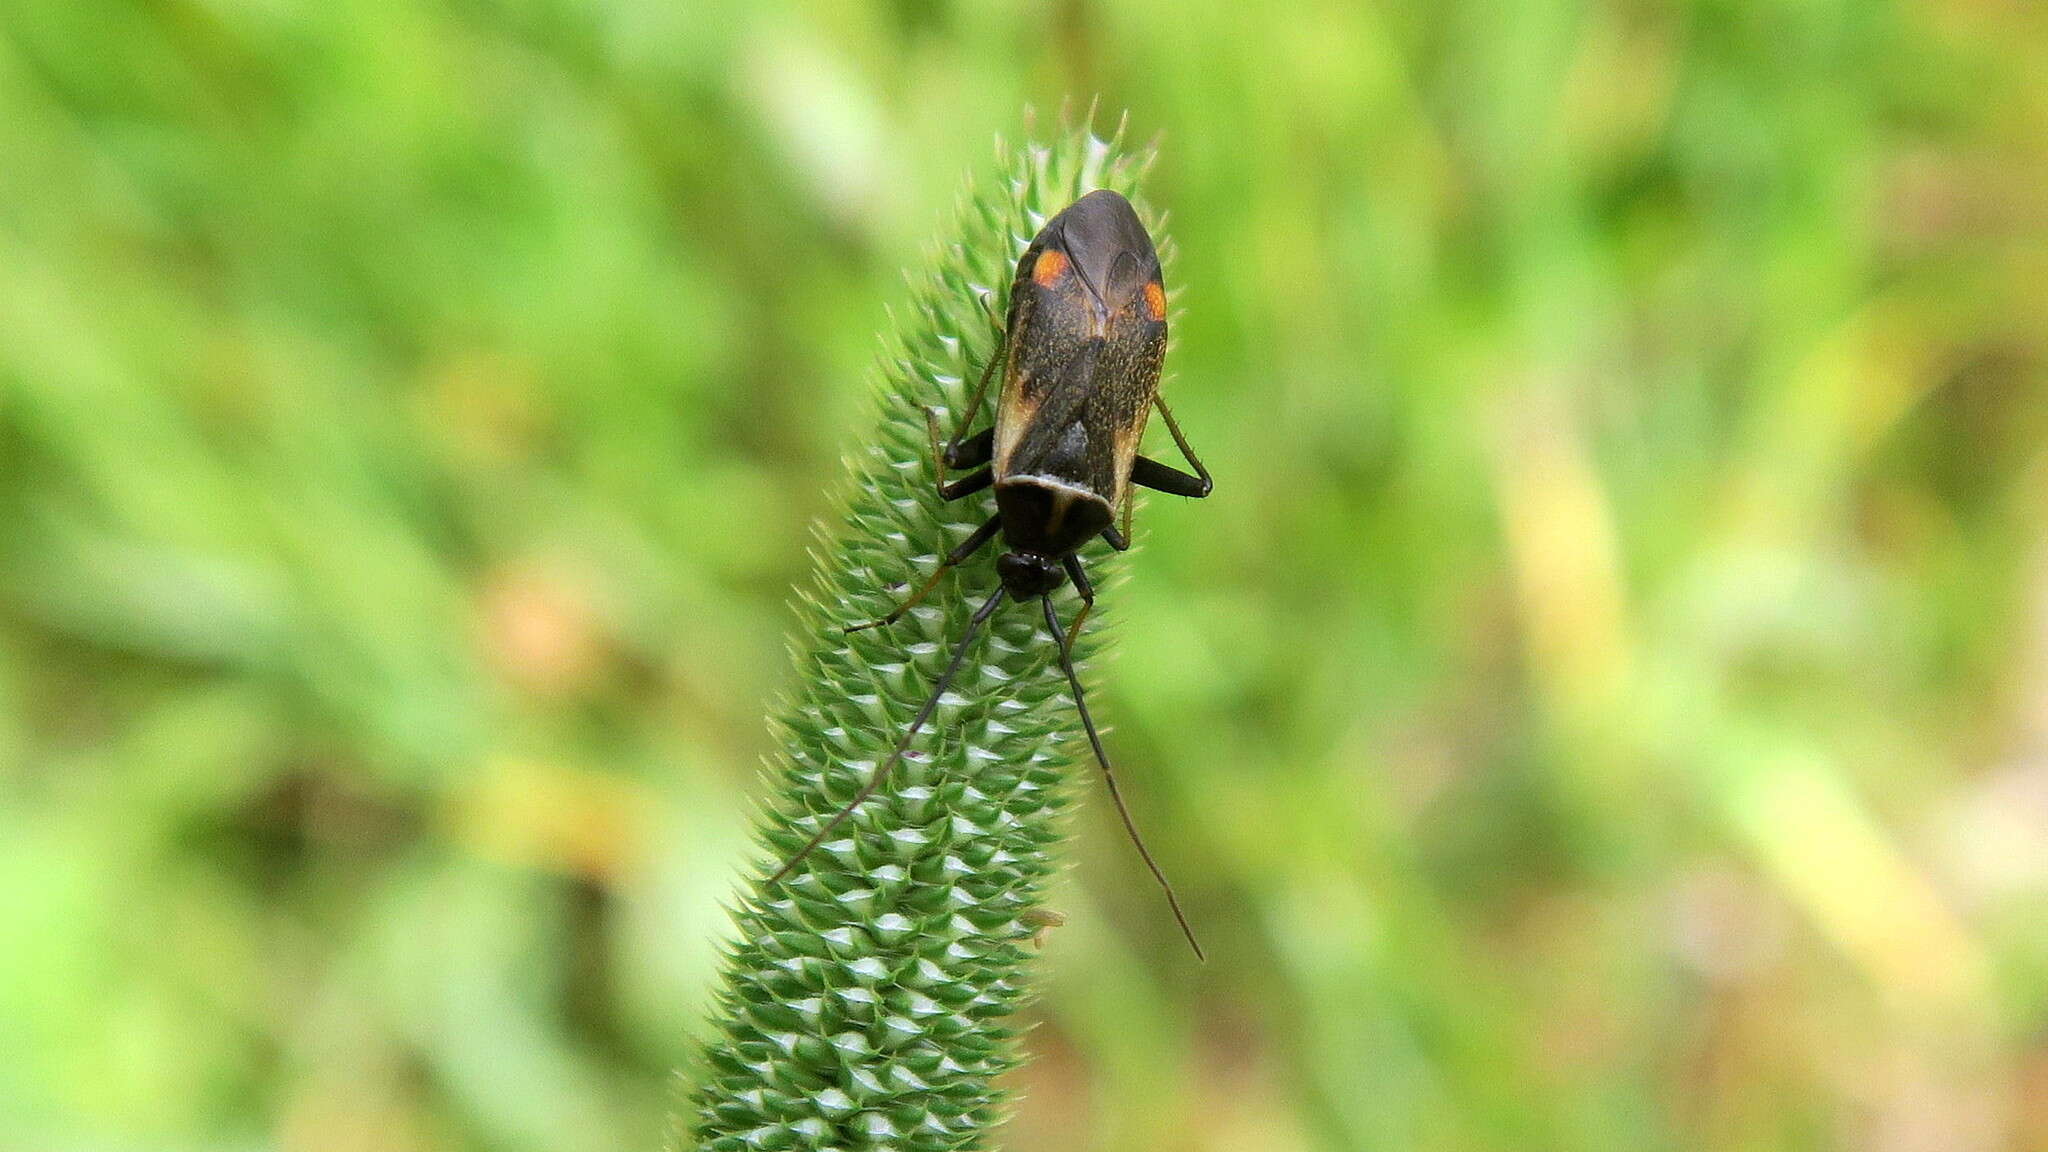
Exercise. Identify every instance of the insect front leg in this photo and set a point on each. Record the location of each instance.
(881, 772)
(966, 548)
(1086, 591)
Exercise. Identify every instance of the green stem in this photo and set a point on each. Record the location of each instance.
(868, 1002)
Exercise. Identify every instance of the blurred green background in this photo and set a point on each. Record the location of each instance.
(1605, 705)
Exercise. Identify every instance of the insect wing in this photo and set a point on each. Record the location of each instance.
(1051, 313)
(1087, 336)
(1126, 380)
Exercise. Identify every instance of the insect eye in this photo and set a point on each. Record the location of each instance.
(1051, 263)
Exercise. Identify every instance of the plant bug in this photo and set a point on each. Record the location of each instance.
(1080, 353)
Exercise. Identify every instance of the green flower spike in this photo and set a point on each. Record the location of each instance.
(868, 1002)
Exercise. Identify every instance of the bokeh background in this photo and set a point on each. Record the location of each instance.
(1604, 706)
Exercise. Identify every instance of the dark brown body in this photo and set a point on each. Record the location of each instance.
(1087, 328)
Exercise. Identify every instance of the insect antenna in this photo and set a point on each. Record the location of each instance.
(881, 772)
(1052, 621)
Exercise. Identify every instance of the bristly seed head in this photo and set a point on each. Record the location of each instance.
(869, 995)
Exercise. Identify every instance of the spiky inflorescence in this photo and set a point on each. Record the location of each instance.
(866, 1004)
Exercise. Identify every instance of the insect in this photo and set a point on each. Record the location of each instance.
(1080, 358)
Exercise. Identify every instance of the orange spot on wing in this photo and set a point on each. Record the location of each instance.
(1155, 300)
(1051, 263)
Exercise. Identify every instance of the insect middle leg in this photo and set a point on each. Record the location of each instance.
(1159, 477)
(966, 548)
(975, 450)
(1118, 535)
(1119, 538)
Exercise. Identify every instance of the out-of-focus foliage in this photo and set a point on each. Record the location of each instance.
(1604, 706)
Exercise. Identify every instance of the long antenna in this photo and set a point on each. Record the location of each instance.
(981, 615)
(1052, 621)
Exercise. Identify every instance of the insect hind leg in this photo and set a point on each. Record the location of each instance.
(1164, 478)
(964, 451)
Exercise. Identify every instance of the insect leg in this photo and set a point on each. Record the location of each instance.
(1118, 536)
(976, 449)
(957, 451)
(1052, 621)
(1153, 474)
(1165, 478)
(966, 548)
(979, 448)
(1086, 590)
(968, 486)
(881, 772)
